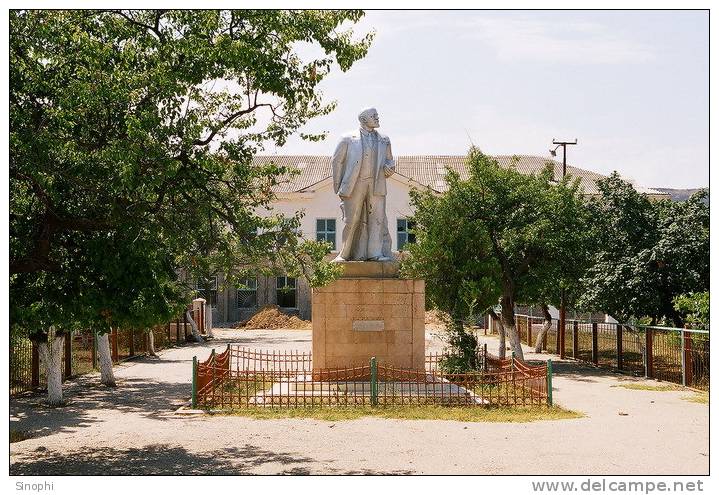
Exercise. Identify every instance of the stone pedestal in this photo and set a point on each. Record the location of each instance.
(368, 312)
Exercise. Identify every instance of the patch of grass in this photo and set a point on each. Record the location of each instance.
(19, 436)
(654, 388)
(467, 414)
(698, 397)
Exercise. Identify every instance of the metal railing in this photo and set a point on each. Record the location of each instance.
(678, 355)
(245, 378)
(79, 354)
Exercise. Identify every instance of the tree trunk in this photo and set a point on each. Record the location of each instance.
(514, 341)
(151, 343)
(502, 351)
(51, 357)
(545, 328)
(502, 340)
(195, 332)
(507, 303)
(107, 376)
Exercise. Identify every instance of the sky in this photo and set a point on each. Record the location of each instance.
(631, 86)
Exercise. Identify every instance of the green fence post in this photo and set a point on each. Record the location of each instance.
(373, 381)
(214, 383)
(549, 382)
(194, 382)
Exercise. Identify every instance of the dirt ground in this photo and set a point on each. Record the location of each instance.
(134, 429)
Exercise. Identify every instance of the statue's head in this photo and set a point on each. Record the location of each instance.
(369, 118)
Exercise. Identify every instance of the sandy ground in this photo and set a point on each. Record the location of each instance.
(134, 429)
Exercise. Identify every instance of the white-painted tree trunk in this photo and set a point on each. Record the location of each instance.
(51, 358)
(514, 340)
(497, 323)
(545, 328)
(507, 303)
(151, 343)
(502, 340)
(195, 332)
(107, 376)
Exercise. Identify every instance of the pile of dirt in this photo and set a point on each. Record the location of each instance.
(271, 318)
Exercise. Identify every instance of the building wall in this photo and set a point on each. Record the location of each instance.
(227, 311)
(322, 202)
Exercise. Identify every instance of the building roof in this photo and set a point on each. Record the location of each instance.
(427, 170)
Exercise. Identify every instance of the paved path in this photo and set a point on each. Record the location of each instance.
(133, 430)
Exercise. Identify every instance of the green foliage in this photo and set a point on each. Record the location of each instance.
(497, 233)
(647, 252)
(452, 255)
(537, 230)
(130, 284)
(131, 142)
(113, 281)
(694, 308)
(536, 227)
(465, 358)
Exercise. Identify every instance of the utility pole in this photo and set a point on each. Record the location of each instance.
(563, 301)
(564, 145)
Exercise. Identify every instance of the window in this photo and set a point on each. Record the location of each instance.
(286, 292)
(326, 231)
(247, 293)
(207, 290)
(404, 235)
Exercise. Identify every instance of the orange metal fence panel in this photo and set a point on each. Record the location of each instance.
(241, 377)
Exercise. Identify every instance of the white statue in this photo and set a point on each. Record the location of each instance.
(360, 165)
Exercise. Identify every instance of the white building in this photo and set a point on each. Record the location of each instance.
(311, 191)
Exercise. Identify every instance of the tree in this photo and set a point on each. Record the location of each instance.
(648, 252)
(567, 254)
(48, 302)
(497, 233)
(453, 256)
(111, 281)
(531, 223)
(682, 252)
(128, 284)
(144, 123)
(117, 116)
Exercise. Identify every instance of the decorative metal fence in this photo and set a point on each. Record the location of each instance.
(79, 354)
(245, 378)
(678, 355)
(21, 365)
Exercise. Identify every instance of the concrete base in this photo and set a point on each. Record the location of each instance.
(370, 269)
(302, 390)
(368, 312)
